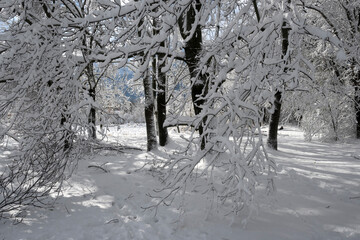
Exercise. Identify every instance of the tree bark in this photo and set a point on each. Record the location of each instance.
(149, 112)
(92, 94)
(148, 84)
(65, 136)
(356, 84)
(161, 102)
(193, 49)
(274, 122)
(92, 115)
(275, 117)
(160, 77)
(357, 87)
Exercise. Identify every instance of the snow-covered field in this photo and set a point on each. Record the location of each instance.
(318, 197)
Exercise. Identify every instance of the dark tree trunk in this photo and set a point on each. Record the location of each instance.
(275, 116)
(92, 115)
(274, 122)
(155, 87)
(92, 94)
(149, 89)
(356, 84)
(193, 48)
(357, 87)
(149, 112)
(63, 120)
(161, 102)
(65, 136)
(357, 109)
(158, 64)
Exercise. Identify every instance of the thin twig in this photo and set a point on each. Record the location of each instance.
(95, 166)
(354, 197)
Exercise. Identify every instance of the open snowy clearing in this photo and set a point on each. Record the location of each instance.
(318, 197)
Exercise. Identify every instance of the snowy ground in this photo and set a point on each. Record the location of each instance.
(318, 197)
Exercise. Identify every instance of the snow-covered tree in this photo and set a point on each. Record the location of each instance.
(340, 26)
(48, 49)
(40, 101)
(252, 65)
(323, 104)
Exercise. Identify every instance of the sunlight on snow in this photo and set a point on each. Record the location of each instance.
(299, 211)
(308, 211)
(312, 201)
(104, 201)
(347, 231)
(79, 189)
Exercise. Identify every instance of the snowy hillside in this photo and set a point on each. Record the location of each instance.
(318, 197)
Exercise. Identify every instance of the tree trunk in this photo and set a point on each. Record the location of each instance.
(149, 88)
(158, 63)
(193, 48)
(155, 87)
(149, 112)
(92, 94)
(357, 87)
(161, 101)
(66, 136)
(357, 110)
(274, 122)
(63, 120)
(356, 84)
(275, 116)
(92, 115)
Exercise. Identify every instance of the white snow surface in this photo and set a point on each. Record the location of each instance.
(318, 197)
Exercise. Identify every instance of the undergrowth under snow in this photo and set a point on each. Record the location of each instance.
(318, 197)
